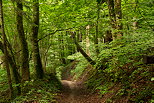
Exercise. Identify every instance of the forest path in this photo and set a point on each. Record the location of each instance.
(75, 92)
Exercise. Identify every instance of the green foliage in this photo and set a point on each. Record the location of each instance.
(59, 71)
(122, 64)
(82, 62)
(3, 85)
(3, 80)
(127, 50)
(103, 89)
(80, 68)
(143, 94)
(39, 90)
(121, 59)
(81, 65)
(2, 75)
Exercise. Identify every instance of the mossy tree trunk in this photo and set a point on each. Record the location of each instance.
(97, 29)
(13, 65)
(5, 50)
(36, 52)
(23, 43)
(118, 13)
(112, 14)
(115, 14)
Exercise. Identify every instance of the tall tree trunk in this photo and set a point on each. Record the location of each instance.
(115, 14)
(118, 13)
(97, 29)
(24, 47)
(5, 50)
(87, 40)
(36, 52)
(13, 65)
(112, 15)
(79, 37)
(61, 47)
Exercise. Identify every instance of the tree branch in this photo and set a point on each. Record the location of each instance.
(56, 32)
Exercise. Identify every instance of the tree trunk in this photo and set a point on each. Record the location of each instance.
(112, 13)
(14, 68)
(118, 13)
(108, 36)
(79, 37)
(71, 48)
(82, 51)
(24, 48)
(61, 47)
(36, 52)
(115, 14)
(112, 17)
(97, 29)
(5, 50)
(87, 40)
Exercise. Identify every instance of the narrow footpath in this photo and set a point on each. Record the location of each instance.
(74, 92)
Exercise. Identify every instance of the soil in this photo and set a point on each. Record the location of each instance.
(73, 92)
(76, 92)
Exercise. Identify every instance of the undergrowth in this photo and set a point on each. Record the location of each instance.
(81, 65)
(42, 91)
(122, 62)
(3, 85)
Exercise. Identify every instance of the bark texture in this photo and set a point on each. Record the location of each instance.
(97, 29)
(118, 13)
(36, 52)
(13, 65)
(5, 50)
(23, 43)
(115, 14)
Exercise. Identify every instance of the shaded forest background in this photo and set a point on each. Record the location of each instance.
(112, 39)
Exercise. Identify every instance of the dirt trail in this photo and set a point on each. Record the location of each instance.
(75, 92)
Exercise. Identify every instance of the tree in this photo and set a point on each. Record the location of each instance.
(62, 48)
(36, 53)
(87, 40)
(115, 14)
(87, 57)
(12, 63)
(23, 43)
(97, 26)
(118, 14)
(2, 31)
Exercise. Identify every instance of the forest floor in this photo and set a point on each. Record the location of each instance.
(73, 92)
(76, 92)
